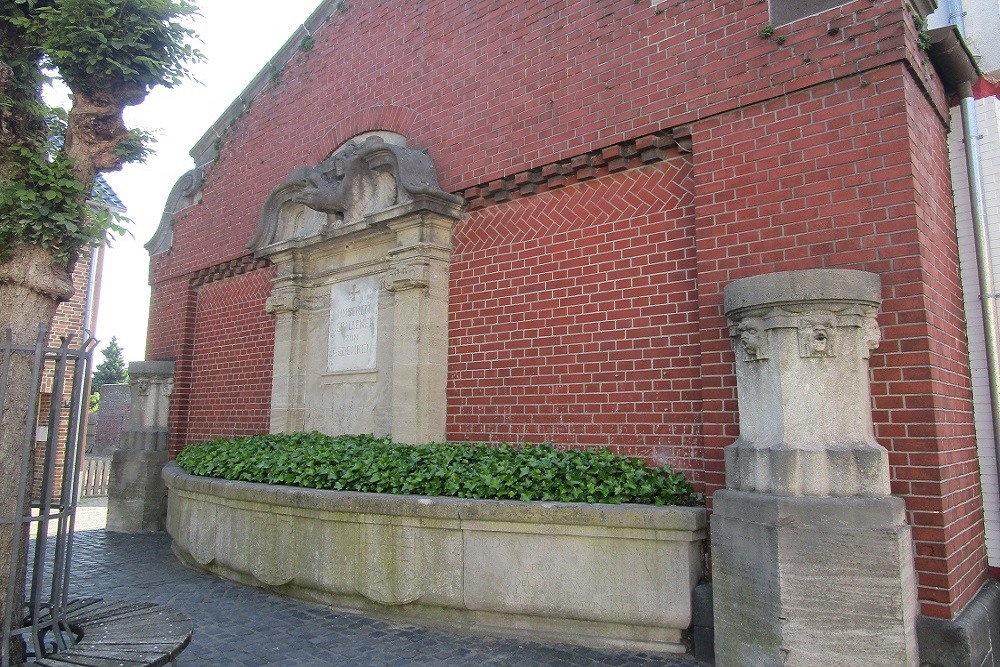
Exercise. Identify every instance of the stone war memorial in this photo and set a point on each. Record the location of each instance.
(715, 235)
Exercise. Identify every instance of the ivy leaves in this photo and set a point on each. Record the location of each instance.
(109, 53)
(42, 205)
(466, 470)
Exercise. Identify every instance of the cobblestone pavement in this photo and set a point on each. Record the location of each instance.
(237, 625)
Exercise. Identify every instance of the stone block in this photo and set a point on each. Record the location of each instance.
(802, 581)
(971, 640)
(595, 574)
(703, 624)
(136, 497)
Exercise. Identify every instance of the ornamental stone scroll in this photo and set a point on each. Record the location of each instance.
(802, 342)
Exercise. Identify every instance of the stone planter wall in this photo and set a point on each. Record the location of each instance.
(605, 574)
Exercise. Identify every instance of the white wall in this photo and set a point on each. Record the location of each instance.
(988, 114)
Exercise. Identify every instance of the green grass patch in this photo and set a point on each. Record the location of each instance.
(459, 470)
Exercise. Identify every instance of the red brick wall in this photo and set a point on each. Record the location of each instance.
(493, 89)
(232, 355)
(602, 292)
(572, 318)
(849, 175)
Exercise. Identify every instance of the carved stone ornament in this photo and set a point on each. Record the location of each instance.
(186, 192)
(751, 343)
(802, 341)
(359, 181)
(816, 336)
(281, 303)
(407, 277)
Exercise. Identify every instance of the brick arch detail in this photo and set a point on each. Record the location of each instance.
(382, 117)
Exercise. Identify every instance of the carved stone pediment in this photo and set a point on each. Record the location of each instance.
(350, 189)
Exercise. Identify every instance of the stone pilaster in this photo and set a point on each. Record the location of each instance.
(137, 497)
(812, 558)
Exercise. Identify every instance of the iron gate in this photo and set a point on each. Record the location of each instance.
(45, 513)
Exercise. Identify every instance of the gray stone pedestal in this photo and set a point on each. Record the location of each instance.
(812, 559)
(136, 496)
(136, 492)
(812, 581)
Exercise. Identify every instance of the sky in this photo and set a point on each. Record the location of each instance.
(237, 37)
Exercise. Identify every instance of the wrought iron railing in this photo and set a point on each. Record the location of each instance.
(46, 513)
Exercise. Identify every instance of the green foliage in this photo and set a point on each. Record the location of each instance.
(95, 402)
(112, 370)
(137, 146)
(109, 50)
(42, 207)
(111, 42)
(462, 470)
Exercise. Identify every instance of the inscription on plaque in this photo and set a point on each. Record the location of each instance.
(353, 325)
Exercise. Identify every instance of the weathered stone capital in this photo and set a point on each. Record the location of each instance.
(401, 278)
(802, 340)
(282, 302)
(151, 385)
(161, 369)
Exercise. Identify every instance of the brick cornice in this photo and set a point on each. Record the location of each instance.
(233, 267)
(628, 154)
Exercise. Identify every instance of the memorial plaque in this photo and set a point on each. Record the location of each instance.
(353, 325)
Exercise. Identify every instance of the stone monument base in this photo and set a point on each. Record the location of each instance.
(137, 498)
(805, 581)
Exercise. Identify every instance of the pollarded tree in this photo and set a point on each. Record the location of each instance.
(110, 53)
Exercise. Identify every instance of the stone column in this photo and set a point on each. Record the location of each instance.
(137, 497)
(812, 559)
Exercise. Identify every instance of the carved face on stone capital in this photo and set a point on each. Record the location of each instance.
(752, 339)
(816, 337)
(872, 334)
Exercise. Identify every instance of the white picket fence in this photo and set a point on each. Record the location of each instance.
(94, 476)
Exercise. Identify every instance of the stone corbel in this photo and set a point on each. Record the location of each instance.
(281, 303)
(401, 278)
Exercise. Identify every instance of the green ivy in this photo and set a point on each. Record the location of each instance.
(461, 470)
(42, 206)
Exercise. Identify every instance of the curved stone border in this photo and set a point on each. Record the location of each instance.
(597, 574)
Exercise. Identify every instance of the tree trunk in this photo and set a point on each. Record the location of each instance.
(96, 130)
(32, 283)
